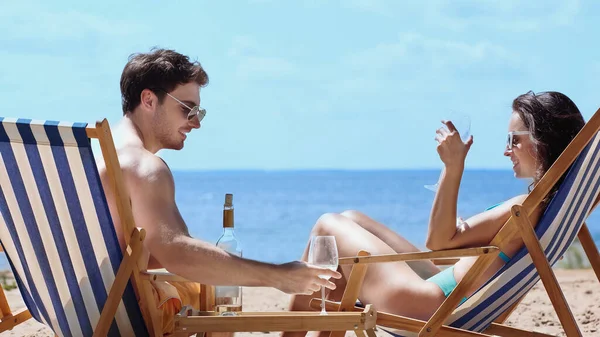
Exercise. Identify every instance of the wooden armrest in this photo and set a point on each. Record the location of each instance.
(189, 321)
(444, 262)
(436, 254)
(161, 275)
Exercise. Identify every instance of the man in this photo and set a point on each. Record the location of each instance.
(161, 106)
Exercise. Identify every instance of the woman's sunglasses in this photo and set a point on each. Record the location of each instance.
(511, 137)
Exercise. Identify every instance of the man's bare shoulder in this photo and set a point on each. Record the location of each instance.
(140, 165)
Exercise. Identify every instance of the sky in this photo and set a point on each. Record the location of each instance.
(348, 84)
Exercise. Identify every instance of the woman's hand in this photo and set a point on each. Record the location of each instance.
(451, 148)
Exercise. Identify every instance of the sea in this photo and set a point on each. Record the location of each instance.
(275, 210)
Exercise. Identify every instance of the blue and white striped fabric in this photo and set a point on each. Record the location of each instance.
(556, 231)
(56, 229)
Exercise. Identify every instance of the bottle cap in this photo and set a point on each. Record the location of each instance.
(228, 199)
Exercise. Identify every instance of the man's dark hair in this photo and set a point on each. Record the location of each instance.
(160, 70)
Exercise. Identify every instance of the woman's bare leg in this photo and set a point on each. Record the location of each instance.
(424, 268)
(392, 287)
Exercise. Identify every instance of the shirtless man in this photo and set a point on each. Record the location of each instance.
(161, 97)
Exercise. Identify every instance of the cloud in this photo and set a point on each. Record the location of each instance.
(496, 15)
(412, 49)
(502, 15)
(18, 23)
(254, 63)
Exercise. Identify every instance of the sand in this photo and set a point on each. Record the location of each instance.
(535, 313)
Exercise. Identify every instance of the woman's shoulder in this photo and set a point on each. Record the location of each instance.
(517, 200)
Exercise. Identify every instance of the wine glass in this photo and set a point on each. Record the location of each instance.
(323, 253)
(462, 122)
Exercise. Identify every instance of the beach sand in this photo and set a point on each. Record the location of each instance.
(536, 313)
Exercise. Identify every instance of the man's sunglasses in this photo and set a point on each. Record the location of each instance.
(195, 111)
(511, 136)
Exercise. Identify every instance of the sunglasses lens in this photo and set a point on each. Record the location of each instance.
(201, 113)
(509, 142)
(197, 111)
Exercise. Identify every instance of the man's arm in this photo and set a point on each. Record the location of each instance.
(152, 194)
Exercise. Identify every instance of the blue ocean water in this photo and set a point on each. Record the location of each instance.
(274, 211)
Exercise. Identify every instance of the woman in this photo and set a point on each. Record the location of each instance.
(539, 129)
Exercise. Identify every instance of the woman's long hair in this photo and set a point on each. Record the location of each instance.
(553, 121)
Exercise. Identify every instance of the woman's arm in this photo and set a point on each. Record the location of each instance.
(452, 151)
(442, 220)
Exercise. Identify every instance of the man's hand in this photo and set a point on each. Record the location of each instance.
(301, 278)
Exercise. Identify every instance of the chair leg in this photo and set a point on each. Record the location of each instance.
(546, 274)
(4, 307)
(121, 278)
(9, 322)
(590, 249)
(355, 281)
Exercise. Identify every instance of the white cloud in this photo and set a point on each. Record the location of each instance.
(413, 48)
(502, 15)
(17, 21)
(253, 62)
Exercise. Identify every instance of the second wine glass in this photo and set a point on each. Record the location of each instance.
(323, 253)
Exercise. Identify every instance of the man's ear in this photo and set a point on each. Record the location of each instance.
(148, 100)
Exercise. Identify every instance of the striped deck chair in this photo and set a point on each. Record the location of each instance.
(484, 312)
(59, 239)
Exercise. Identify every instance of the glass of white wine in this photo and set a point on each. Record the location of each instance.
(323, 253)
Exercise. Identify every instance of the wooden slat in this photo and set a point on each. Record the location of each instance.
(371, 332)
(445, 262)
(545, 271)
(118, 287)
(590, 249)
(437, 254)
(207, 299)
(355, 281)
(563, 162)
(117, 183)
(4, 306)
(161, 275)
(91, 132)
(401, 322)
(503, 330)
(504, 236)
(360, 333)
(11, 321)
(150, 313)
(278, 321)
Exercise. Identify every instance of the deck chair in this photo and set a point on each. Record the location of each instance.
(58, 236)
(564, 218)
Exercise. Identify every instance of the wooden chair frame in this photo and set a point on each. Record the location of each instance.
(134, 267)
(518, 225)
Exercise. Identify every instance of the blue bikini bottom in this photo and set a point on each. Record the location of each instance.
(446, 281)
